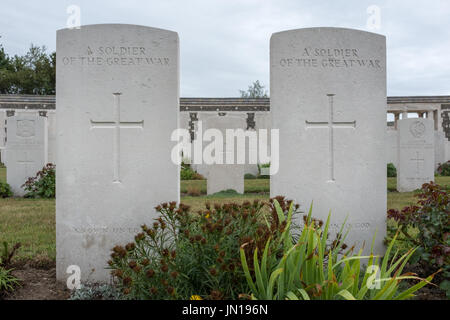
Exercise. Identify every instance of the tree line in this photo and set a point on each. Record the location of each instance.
(32, 73)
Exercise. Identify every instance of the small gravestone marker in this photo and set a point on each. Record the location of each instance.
(26, 148)
(2, 134)
(328, 99)
(416, 153)
(225, 175)
(117, 106)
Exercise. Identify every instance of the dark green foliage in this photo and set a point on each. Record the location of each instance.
(444, 169)
(186, 173)
(311, 268)
(5, 190)
(431, 216)
(225, 193)
(391, 170)
(7, 281)
(249, 176)
(43, 184)
(33, 73)
(184, 253)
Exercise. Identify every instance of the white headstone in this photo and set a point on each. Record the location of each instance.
(328, 99)
(439, 148)
(2, 134)
(117, 105)
(26, 148)
(416, 153)
(51, 116)
(392, 147)
(225, 176)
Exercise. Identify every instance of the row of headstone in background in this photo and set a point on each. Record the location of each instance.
(224, 176)
(117, 105)
(261, 120)
(411, 177)
(2, 135)
(392, 146)
(415, 153)
(26, 148)
(392, 138)
(415, 141)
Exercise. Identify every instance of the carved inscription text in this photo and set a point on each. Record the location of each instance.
(116, 56)
(330, 58)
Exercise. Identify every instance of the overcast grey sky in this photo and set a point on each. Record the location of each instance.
(225, 43)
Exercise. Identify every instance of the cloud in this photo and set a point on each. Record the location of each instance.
(225, 44)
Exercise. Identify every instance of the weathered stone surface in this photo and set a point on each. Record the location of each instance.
(392, 147)
(416, 153)
(328, 98)
(117, 104)
(26, 148)
(51, 118)
(2, 134)
(225, 176)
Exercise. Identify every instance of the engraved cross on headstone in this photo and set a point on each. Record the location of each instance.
(330, 125)
(418, 160)
(116, 124)
(26, 163)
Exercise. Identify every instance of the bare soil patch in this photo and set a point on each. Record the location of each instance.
(38, 284)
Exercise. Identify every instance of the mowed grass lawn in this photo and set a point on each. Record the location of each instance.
(32, 221)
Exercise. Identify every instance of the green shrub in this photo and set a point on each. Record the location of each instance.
(42, 185)
(7, 281)
(5, 190)
(249, 176)
(311, 269)
(186, 254)
(225, 193)
(444, 169)
(391, 170)
(187, 173)
(430, 220)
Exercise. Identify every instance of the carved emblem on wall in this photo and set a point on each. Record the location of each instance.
(417, 129)
(446, 120)
(251, 123)
(193, 118)
(25, 128)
